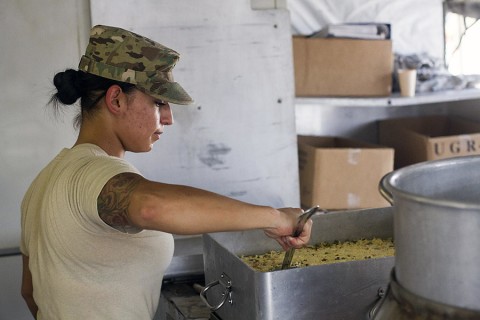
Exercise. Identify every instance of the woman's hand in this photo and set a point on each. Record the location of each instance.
(287, 223)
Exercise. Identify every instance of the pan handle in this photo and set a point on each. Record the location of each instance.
(382, 187)
(227, 293)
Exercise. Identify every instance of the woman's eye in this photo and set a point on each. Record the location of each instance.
(160, 103)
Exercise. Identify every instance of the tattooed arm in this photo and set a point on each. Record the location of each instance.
(114, 199)
(130, 201)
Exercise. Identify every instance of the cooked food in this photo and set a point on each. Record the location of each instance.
(324, 253)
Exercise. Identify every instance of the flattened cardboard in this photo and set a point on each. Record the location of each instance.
(418, 139)
(342, 67)
(338, 173)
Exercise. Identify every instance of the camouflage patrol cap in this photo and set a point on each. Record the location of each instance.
(121, 55)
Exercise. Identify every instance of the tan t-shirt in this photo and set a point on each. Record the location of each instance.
(81, 267)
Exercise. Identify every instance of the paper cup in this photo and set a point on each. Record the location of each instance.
(407, 79)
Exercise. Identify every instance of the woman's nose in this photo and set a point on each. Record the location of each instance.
(166, 115)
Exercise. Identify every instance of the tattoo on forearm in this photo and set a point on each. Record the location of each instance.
(114, 199)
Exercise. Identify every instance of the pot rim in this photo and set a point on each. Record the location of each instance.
(388, 188)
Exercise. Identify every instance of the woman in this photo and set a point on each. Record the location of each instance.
(96, 235)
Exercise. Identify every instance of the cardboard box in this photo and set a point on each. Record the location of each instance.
(339, 173)
(342, 67)
(418, 139)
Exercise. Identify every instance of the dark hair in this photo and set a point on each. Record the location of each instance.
(74, 84)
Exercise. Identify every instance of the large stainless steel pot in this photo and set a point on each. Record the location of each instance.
(437, 229)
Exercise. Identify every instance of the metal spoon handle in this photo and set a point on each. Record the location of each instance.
(287, 260)
(303, 219)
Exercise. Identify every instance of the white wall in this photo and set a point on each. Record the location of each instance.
(38, 38)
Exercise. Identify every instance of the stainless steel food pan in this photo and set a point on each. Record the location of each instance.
(346, 290)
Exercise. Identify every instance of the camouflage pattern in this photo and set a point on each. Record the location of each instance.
(122, 55)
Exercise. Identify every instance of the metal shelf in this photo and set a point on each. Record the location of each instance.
(395, 100)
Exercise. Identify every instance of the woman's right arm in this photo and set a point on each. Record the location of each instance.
(131, 199)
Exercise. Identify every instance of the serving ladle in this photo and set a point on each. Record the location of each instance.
(287, 260)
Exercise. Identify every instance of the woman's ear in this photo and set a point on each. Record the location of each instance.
(113, 98)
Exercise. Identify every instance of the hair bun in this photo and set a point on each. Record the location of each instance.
(68, 86)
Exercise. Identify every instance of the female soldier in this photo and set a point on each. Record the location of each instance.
(96, 235)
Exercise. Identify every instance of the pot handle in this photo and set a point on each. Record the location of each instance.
(382, 187)
(227, 293)
(381, 297)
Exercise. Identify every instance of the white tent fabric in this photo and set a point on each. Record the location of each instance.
(417, 26)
